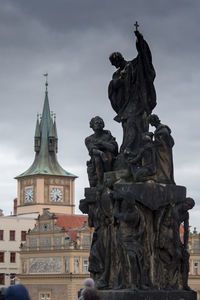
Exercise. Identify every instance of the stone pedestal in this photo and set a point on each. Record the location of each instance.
(147, 295)
(137, 239)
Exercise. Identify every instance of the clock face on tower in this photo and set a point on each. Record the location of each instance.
(56, 194)
(29, 195)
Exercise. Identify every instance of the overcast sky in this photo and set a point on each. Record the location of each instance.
(71, 40)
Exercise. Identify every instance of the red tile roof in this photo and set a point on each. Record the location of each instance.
(71, 221)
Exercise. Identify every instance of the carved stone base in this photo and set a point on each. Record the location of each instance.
(152, 195)
(147, 295)
(137, 239)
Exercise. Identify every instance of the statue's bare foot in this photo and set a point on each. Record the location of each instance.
(120, 287)
(100, 284)
(187, 288)
(144, 287)
(133, 287)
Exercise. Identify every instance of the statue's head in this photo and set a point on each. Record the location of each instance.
(154, 120)
(116, 59)
(189, 203)
(97, 123)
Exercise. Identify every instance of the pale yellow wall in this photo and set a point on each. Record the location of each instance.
(41, 196)
(40, 190)
(7, 246)
(54, 208)
(194, 280)
(63, 287)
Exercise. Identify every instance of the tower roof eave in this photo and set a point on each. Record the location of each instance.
(46, 172)
(48, 166)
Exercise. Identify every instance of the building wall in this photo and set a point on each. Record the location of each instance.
(32, 208)
(7, 224)
(54, 261)
(194, 274)
(64, 287)
(42, 186)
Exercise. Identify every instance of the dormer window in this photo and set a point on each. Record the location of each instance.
(51, 144)
(37, 144)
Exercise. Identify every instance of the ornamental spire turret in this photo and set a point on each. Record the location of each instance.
(46, 144)
(55, 133)
(37, 136)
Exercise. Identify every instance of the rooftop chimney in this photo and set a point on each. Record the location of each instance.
(15, 206)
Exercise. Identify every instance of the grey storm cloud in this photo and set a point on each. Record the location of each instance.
(72, 40)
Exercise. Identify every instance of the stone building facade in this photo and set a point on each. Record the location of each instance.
(12, 233)
(54, 258)
(194, 249)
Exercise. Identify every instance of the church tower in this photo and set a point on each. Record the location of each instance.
(45, 184)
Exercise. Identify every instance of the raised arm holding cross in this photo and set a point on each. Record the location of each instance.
(136, 26)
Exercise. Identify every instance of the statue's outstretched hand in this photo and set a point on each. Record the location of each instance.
(138, 34)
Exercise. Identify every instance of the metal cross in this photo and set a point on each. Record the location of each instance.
(136, 26)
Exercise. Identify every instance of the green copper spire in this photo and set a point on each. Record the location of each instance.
(46, 162)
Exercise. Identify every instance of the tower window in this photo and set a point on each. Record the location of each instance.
(196, 268)
(23, 235)
(12, 235)
(85, 266)
(12, 257)
(12, 278)
(1, 257)
(76, 265)
(2, 278)
(45, 296)
(1, 235)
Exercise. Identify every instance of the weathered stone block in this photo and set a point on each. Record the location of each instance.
(152, 195)
(147, 295)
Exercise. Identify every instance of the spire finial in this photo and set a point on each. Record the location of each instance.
(46, 83)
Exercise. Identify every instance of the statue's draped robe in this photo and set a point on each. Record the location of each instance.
(164, 161)
(132, 95)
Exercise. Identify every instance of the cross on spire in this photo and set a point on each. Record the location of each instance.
(46, 83)
(136, 26)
